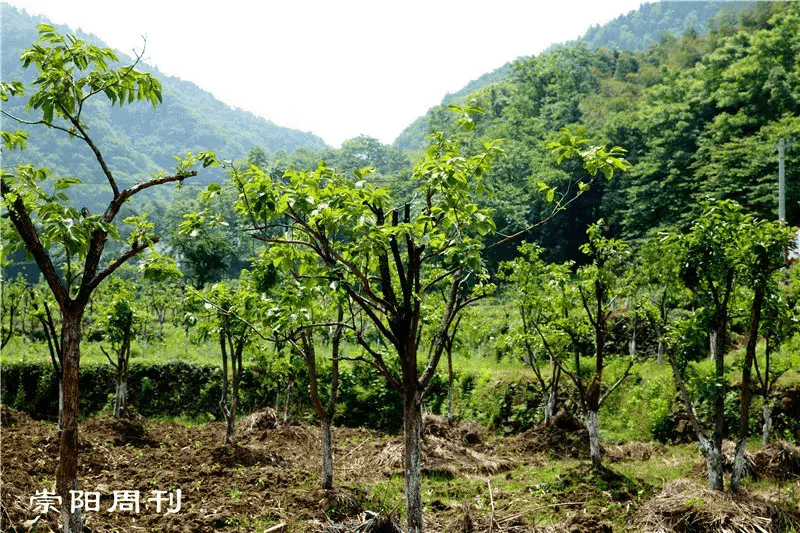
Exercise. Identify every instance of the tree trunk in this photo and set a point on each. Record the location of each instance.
(121, 392)
(228, 412)
(713, 454)
(593, 421)
(739, 462)
(327, 452)
(67, 469)
(230, 426)
(714, 344)
(550, 404)
(767, 427)
(308, 352)
(450, 387)
(60, 405)
(593, 426)
(121, 398)
(288, 400)
(412, 458)
(714, 450)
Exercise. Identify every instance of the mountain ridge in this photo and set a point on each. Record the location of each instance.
(137, 139)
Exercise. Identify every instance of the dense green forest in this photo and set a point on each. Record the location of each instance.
(636, 30)
(700, 116)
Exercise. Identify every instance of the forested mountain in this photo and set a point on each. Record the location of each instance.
(636, 30)
(700, 116)
(137, 140)
(643, 28)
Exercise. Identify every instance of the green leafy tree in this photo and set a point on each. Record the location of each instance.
(297, 309)
(537, 289)
(769, 241)
(210, 252)
(378, 253)
(15, 302)
(598, 288)
(228, 306)
(41, 220)
(726, 250)
(779, 325)
(119, 325)
(159, 278)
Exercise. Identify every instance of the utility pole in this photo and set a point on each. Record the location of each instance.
(781, 182)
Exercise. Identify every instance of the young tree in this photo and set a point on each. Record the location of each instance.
(537, 289)
(70, 72)
(724, 248)
(768, 244)
(119, 326)
(778, 325)
(300, 307)
(597, 290)
(227, 305)
(378, 254)
(15, 301)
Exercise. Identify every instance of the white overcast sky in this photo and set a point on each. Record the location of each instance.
(336, 68)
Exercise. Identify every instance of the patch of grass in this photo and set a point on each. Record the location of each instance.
(185, 421)
(674, 462)
(453, 491)
(386, 497)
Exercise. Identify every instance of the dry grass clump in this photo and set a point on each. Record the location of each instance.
(443, 457)
(632, 451)
(445, 450)
(258, 422)
(777, 460)
(687, 507)
(465, 431)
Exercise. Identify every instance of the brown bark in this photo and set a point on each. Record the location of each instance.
(67, 469)
(739, 465)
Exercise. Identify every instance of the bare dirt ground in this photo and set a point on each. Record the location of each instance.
(271, 478)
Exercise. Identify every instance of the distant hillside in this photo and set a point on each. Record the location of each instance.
(414, 137)
(136, 139)
(636, 30)
(642, 28)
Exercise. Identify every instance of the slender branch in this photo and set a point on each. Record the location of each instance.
(556, 210)
(19, 216)
(105, 86)
(116, 203)
(36, 122)
(113, 364)
(681, 384)
(76, 122)
(618, 382)
(107, 271)
(441, 338)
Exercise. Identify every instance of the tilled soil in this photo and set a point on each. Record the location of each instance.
(271, 477)
(270, 474)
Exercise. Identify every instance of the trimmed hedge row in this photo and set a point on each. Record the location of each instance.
(192, 390)
(172, 388)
